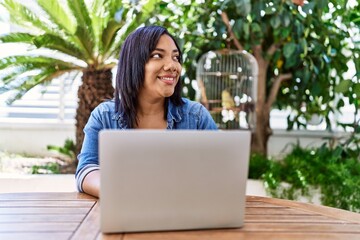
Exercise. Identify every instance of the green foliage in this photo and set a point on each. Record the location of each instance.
(310, 44)
(335, 171)
(68, 150)
(49, 168)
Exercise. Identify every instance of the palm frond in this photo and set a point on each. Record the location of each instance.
(103, 14)
(129, 26)
(57, 43)
(96, 6)
(17, 74)
(37, 60)
(114, 6)
(9, 77)
(17, 38)
(133, 18)
(11, 73)
(28, 82)
(109, 34)
(99, 18)
(23, 16)
(58, 15)
(84, 30)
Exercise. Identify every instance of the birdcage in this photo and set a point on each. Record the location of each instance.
(227, 87)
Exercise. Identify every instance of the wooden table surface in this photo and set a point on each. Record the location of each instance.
(76, 216)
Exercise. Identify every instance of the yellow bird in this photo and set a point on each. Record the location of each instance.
(227, 101)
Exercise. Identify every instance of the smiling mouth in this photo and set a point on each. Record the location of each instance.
(167, 80)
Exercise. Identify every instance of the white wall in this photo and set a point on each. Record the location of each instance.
(32, 138)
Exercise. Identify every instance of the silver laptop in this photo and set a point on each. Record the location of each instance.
(157, 180)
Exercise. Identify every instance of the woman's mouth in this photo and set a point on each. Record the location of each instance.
(168, 80)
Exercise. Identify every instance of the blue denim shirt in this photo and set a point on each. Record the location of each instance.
(191, 115)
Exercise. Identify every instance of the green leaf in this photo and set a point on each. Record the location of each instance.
(23, 16)
(58, 15)
(114, 6)
(26, 83)
(286, 19)
(256, 8)
(304, 46)
(269, 10)
(40, 60)
(289, 49)
(316, 88)
(147, 11)
(306, 76)
(255, 28)
(11, 74)
(343, 87)
(309, 7)
(340, 104)
(84, 30)
(275, 21)
(238, 27)
(285, 32)
(291, 61)
(85, 42)
(243, 7)
(109, 34)
(321, 4)
(246, 28)
(17, 38)
(56, 43)
(299, 29)
(101, 12)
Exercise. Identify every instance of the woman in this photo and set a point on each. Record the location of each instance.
(147, 95)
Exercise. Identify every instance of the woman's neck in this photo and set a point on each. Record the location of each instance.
(150, 114)
(150, 107)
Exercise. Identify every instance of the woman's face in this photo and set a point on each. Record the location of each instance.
(162, 70)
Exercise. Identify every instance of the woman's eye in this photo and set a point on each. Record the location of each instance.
(156, 55)
(177, 58)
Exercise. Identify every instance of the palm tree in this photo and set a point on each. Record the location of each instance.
(88, 34)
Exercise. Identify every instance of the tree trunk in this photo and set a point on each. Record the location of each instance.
(263, 131)
(95, 88)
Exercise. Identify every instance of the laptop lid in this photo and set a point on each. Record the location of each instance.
(156, 180)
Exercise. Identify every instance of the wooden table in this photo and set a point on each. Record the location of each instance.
(76, 216)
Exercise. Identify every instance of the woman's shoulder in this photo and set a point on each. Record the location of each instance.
(106, 106)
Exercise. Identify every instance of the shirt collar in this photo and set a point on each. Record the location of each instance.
(174, 112)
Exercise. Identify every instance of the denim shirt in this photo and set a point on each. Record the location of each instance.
(191, 115)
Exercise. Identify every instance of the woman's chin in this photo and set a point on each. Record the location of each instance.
(168, 93)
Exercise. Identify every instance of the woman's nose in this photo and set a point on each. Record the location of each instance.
(170, 66)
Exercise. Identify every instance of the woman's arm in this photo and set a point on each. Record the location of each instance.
(89, 156)
(91, 183)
